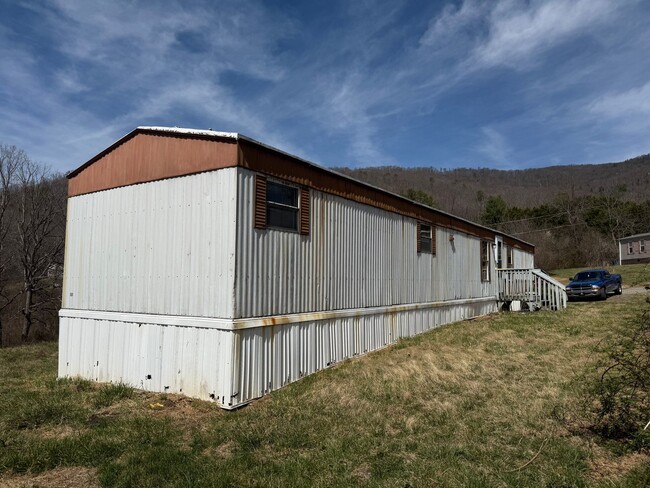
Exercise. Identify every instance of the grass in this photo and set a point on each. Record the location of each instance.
(632, 274)
(491, 402)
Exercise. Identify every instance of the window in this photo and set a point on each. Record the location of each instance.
(426, 238)
(485, 260)
(510, 258)
(630, 248)
(642, 246)
(281, 206)
(499, 254)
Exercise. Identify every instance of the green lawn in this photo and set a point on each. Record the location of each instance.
(632, 274)
(494, 401)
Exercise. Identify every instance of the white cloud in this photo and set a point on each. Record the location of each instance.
(519, 31)
(494, 146)
(445, 29)
(633, 102)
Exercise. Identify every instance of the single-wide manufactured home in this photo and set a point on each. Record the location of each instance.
(208, 264)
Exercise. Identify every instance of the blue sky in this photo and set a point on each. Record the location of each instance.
(504, 83)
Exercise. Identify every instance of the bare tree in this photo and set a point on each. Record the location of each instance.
(40, 235)
(11, 159)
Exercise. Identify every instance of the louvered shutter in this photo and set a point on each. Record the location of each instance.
(419, 236)
(433, 240)
(304, 211)
(260, 202)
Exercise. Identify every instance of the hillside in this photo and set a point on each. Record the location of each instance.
(462, 191)
(497, 401)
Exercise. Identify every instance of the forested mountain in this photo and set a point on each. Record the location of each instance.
(463, 191)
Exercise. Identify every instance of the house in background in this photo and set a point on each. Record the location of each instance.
(634, 249)
(208, 264)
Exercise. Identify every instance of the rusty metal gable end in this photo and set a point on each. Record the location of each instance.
(159, 131)
(150, 155)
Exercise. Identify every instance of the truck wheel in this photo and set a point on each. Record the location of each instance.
(619, 290)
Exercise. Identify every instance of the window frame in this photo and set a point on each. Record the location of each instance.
(642, 245)
(510, 257)
(423, 240)
(485, 261)
(262, 204)
(630, 248)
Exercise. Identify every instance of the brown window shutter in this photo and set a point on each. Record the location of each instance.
(260, 202)
(433, 240)
(304, 211)
(419, 244)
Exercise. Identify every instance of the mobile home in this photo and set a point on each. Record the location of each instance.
(212, 265)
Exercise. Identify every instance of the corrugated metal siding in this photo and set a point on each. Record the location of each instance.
(356, 256)
(268, 358)
(523, 260)
(193, 361)
(166, 247)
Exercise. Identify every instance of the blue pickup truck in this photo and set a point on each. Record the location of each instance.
(594, 283)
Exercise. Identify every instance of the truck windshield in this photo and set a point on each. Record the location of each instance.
(589, 276)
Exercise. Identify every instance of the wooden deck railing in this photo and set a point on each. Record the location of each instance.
(532, 286)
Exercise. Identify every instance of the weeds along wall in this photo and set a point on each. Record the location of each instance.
(170, 288)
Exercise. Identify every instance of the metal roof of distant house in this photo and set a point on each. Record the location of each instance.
(646, 234)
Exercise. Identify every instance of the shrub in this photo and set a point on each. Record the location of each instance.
(622, 392)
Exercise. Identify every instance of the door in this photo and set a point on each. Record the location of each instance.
(498, 251)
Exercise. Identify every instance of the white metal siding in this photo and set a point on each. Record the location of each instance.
(268, 358)
(190, 360)
(185, 248)
(164, 247)
(523, 259)
(356, 256)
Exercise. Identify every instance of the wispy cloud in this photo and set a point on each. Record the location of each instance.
(352, 82)
(495, 147)
(635, 101)
(519, 31)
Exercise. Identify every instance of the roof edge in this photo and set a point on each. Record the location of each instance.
(234, 136)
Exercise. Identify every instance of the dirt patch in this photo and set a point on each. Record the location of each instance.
(60, 478)
(634, 290)
(181, 408)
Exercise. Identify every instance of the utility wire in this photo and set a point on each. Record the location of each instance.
(548, 228)
(531, 218)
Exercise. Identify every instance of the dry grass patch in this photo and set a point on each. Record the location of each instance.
(607, 467)
(69, 477)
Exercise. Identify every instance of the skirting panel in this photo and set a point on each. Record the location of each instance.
(268, 358)
(233, 367)
(192, 361)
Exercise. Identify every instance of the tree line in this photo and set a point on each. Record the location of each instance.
(32, 232)
(572, 231)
